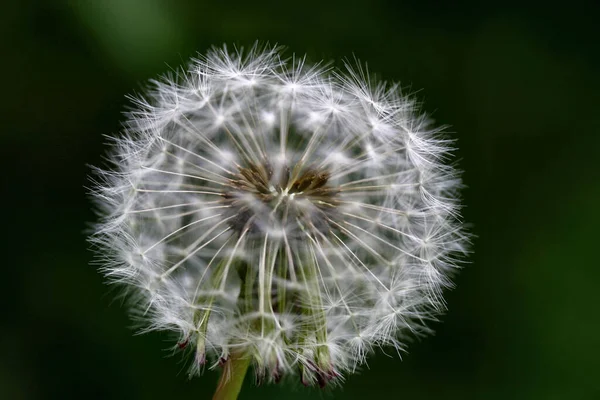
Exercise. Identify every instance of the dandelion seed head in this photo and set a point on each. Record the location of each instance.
(298, 215)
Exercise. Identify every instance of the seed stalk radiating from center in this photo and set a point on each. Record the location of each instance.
(264, 201)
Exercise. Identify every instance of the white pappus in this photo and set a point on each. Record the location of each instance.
(293, 213)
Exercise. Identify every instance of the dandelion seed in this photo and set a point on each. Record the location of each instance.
(265, 208)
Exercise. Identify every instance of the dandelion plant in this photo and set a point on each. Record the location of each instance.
(279, 217)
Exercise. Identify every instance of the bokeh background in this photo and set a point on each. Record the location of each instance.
(517, 82)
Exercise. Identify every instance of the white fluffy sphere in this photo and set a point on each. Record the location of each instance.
(289, 213)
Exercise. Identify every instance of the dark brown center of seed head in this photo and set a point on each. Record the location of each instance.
(274, 187)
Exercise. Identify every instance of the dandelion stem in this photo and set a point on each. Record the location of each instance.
(232, 378)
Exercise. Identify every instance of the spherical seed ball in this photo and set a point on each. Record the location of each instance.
(294, 214)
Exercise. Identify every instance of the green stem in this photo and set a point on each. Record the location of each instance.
(232, 377)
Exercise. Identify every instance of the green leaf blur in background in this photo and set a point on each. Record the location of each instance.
(519, 85)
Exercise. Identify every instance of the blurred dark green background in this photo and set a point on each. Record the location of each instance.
(519, 84)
